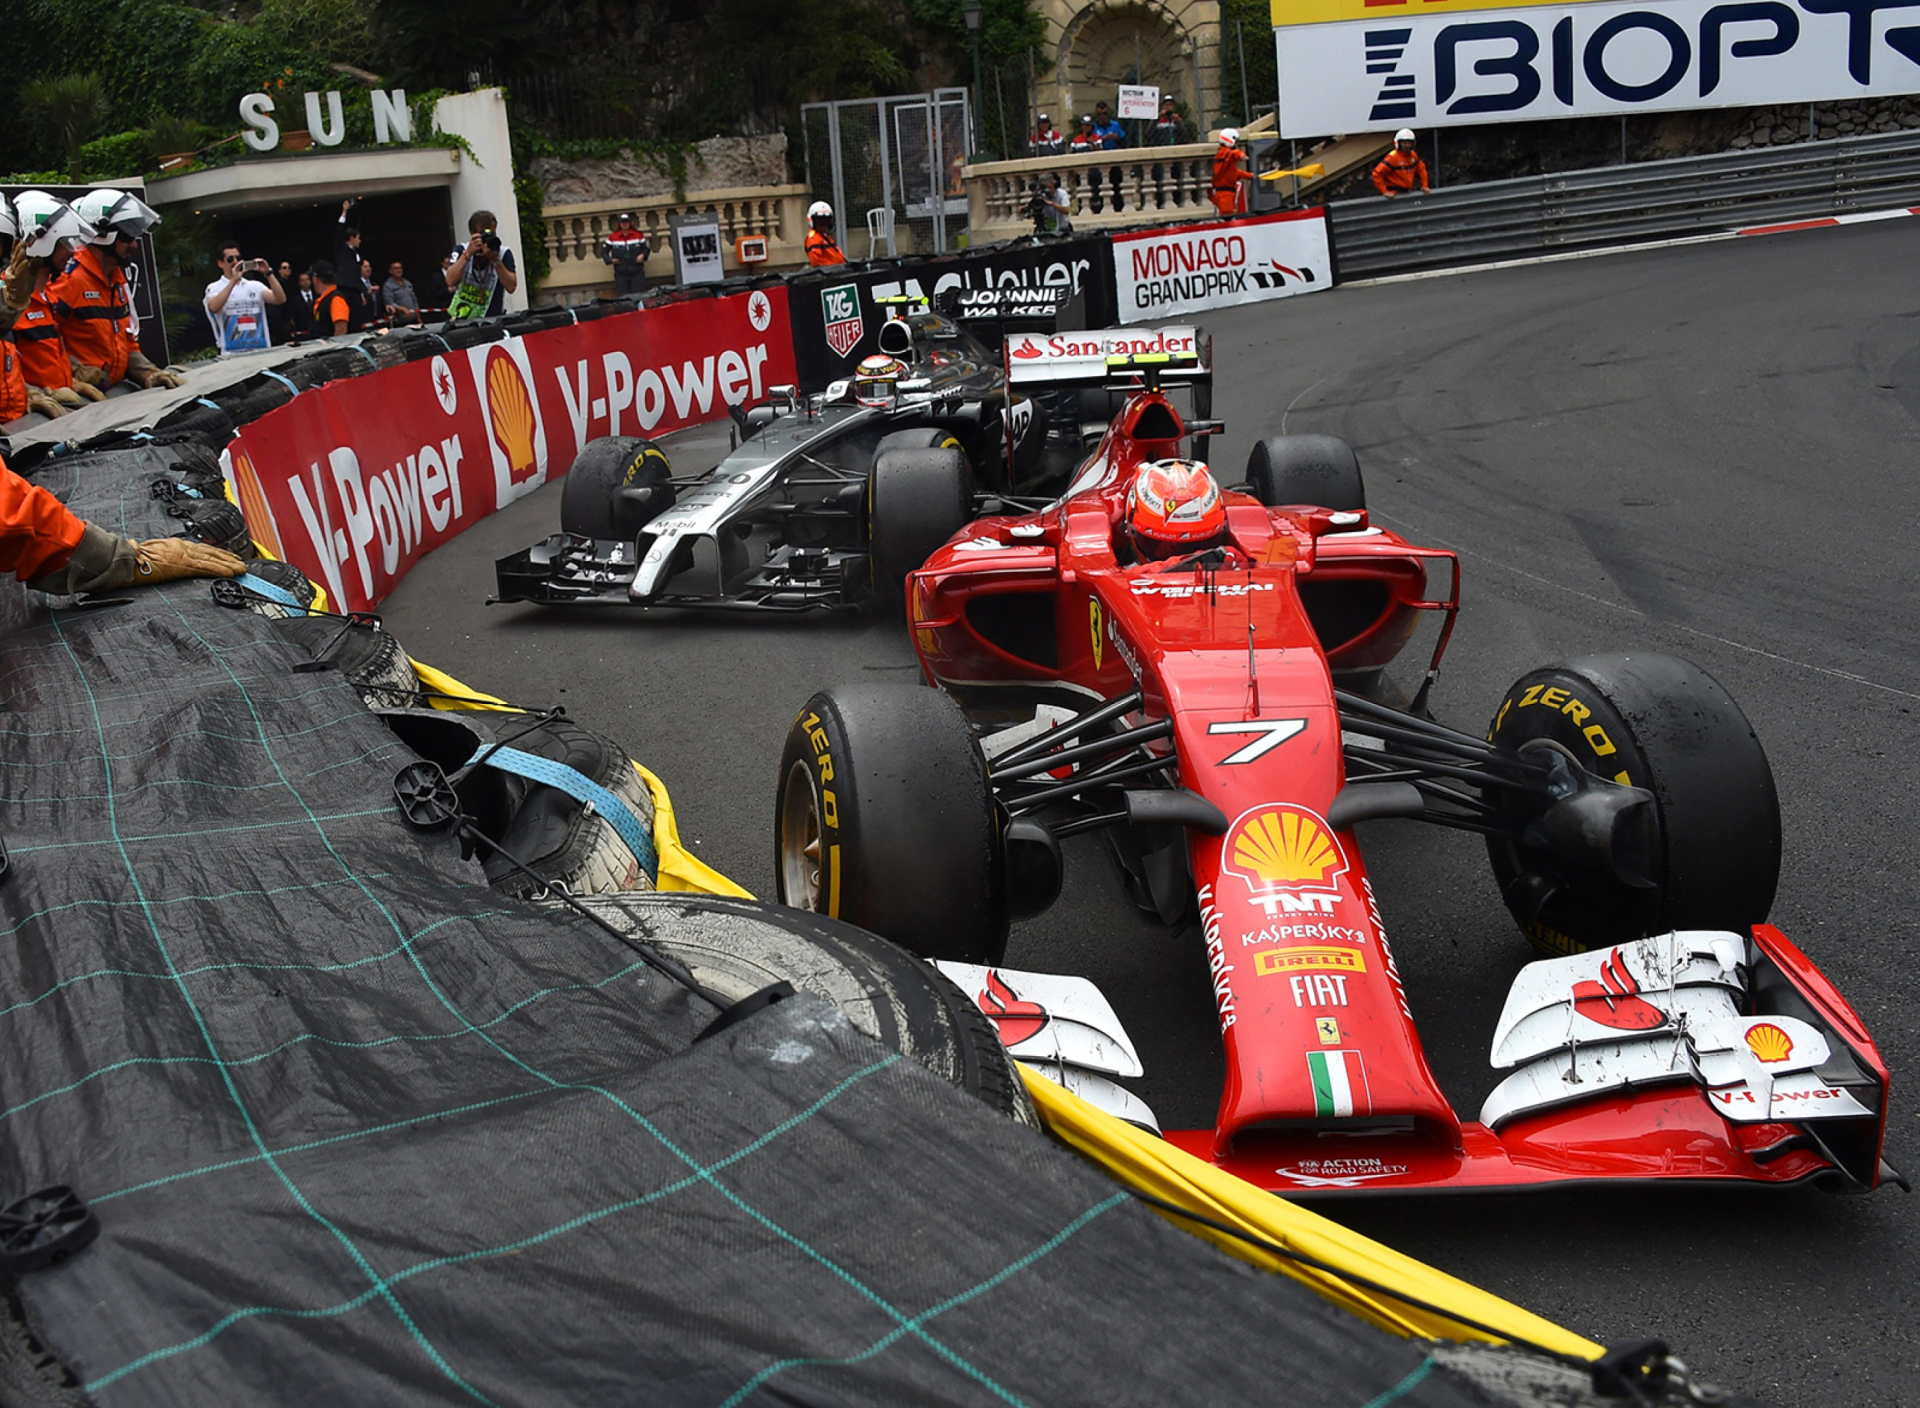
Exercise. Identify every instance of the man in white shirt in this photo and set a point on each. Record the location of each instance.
(237, 305)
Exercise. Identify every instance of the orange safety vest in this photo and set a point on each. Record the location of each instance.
(90, 305)
(822, 251)
(1399, 172)
(43, 356)
(329, 307)
(37, 534)
(1229, 170)
(13, 383)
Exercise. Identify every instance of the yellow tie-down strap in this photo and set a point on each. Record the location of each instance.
(1158, 1169)
(680, 869)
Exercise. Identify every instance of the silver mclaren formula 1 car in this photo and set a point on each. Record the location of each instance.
(826, 501)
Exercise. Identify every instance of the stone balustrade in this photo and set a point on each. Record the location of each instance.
(573, 234)
(1131, 186)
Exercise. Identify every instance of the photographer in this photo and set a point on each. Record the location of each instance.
(482, 272)
(1051, 207)
(237, 301)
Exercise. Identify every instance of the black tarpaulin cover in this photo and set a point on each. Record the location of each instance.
(360, 1130)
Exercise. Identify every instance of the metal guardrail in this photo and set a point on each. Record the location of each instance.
(1623, 204)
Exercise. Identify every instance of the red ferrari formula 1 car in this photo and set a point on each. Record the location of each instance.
(1224, 717)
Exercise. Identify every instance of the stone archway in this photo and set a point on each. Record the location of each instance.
(1174, 44)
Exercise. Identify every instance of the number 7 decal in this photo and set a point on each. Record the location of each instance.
(1272, 733)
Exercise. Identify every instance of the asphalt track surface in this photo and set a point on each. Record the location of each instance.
(1706, 450)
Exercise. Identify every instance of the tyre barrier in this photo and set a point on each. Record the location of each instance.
(738, 947)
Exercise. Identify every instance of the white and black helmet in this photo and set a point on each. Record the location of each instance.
(9, 227)
(112, 213)
(818, 209)
(45, 220)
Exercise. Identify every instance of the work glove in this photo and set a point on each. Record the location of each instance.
(146, 375)
(87, 392)
(86, 376)
(38, 400)
(23, 271)
(65, 395)
(104, 562)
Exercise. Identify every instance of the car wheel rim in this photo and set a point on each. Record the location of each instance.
(800, 840)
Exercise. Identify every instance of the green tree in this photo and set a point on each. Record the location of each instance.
(67, 109)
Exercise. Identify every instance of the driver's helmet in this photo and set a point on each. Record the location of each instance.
(876, 381)
(46, 220)
(1174, 508)
(112, 213)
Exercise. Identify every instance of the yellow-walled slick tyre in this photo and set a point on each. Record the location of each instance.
(884, 818)
(1659, 723)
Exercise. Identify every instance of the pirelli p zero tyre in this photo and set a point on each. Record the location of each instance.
(1663, 724)
(737, 947)
(595, 502)
(1321, 470)
(916, 500)
(884, 818)
(289, 579)
(559, 838)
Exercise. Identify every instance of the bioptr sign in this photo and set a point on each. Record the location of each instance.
(1448, 64)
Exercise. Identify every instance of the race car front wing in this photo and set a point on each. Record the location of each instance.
(565, 570)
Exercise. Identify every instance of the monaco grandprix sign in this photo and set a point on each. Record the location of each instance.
(1401, 67)
(1190, 268)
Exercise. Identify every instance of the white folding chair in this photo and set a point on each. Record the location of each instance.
(879, 227)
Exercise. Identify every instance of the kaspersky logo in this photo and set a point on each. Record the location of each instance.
(840, 307)
(1282, 847)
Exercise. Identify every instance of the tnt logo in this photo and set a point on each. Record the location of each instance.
(1282, 848)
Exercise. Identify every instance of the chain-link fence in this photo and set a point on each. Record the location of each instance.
(891, 161)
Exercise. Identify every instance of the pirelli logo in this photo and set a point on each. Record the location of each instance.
(1309, 960)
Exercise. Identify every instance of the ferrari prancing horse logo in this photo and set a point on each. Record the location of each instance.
(1094, 623)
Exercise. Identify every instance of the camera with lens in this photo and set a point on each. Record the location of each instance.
(1038, 210)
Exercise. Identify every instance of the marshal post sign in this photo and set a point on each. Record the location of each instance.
(1364, 65)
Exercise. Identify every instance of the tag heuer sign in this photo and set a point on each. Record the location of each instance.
(841, 307)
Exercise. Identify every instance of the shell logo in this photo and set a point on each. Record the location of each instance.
(1283, 846)
(253, 503)
(510, 414)
(1768, 1042)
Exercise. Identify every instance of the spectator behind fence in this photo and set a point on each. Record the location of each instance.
(331, 314)
(398, 298)
(626, 249)
(300, 306)
(482, 273)
(346, 264)
(376, 315)
(1401, 169)
(237, 301)
(1169, 129)
(1046, 139)
(1111, 134)
(280, 315)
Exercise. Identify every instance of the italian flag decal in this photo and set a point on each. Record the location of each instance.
(1339, 1083)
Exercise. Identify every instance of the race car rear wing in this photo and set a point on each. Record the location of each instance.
(1182, 354)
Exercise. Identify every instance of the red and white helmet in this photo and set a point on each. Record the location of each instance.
(876, 381)
(1175, 507)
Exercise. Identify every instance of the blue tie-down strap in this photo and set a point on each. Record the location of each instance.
(577, 785)
(272, 591)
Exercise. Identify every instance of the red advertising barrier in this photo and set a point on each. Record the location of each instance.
(356, 480)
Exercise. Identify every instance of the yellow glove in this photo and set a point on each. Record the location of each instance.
(84, 375)
(170, 559)
(65, 395)
(146, 375)
(86, 391)
(23, 271)
(38, 400)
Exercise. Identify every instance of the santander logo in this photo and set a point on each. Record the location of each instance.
(1016, 1018)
